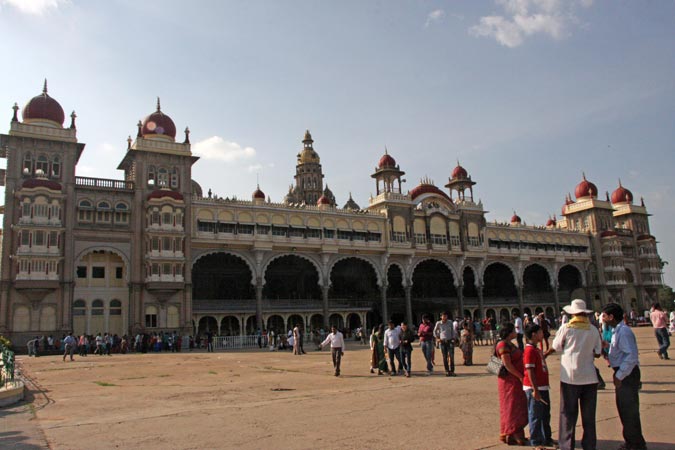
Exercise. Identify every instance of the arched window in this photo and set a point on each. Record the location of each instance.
(103, 212)
(162, 177)
(84, 211)
(115, 308)
(152, 177)
(27, 168)
(25, 208)
(151, 317)
(172, 317)
(56, 167)
(174, 178)
(42, 165)
(121, 214)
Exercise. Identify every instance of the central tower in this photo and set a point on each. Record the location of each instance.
(308, 173)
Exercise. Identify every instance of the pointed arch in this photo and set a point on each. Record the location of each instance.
(249, 262)
(313, 261)
(376, 269)
(450, 267)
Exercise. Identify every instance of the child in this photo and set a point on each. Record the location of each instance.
(536, 387)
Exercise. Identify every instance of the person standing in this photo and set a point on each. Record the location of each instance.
(659, 320)
(337, 347)
(623, 357)
(466, 344)
(518, 323)
(377, 359)
(446, 337)
(426, 335)
(296, 340)
(536, 387)
(69, 343)
(512, 400)
(392, 343)
(579, 343)
(407, 339)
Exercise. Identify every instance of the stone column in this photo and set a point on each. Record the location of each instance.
(258, 304)
(481, 304)
(408, 304)
(521, 299)
(324, 292)
(460, 299)
(556, 299)
(383, 297)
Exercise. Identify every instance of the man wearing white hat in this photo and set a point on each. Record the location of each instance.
(579, 343)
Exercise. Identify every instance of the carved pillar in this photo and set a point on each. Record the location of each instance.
(556, 299)
(258, 303)
(481, 304)
(408, 304)
(383, 297)
(460, 298)
(324, 292)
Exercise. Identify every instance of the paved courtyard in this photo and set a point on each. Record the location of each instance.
(259, 399)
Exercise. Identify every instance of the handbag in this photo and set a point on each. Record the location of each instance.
(495, 365)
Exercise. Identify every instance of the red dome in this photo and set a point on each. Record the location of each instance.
(622, 195)
(551, 222)
(459, 172)
(161, 193)
(427, 189)
(43, 107)
(515, 218)
(41, 182)
(386, 161)
(158, 124)
(323, 200)
(258, 194)
(585, 189)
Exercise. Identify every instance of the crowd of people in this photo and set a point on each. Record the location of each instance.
(524, 388)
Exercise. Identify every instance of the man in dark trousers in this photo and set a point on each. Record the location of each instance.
(623, 357)
(337, 347)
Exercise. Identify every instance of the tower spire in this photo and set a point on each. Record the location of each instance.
(44, 88)
(159, 108)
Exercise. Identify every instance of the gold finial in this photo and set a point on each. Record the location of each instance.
(620, 182)
(44, 87)
(583, 175)
(158, 105)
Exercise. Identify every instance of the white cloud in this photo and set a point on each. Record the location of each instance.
(435, 16)
(219, 149)
(525, 18)
(35, 7)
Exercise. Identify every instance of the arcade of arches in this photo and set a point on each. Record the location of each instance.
(229, 299)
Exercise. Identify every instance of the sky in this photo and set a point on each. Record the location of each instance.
(525, 94)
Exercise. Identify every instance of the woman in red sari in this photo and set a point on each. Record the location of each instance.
(512, 401)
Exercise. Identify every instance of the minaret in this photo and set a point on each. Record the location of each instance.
(308, 173)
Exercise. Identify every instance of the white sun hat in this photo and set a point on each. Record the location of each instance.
(577, 306)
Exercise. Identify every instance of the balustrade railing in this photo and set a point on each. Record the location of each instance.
(104, 183)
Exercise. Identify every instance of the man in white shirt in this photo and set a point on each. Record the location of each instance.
(392, 343)
(518, 323)
(580, 344)
(337, 347)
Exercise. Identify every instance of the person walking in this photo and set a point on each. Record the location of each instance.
(426, 334)
(579, 342)
(337, 347)
(392, 344)
(446, 337)
(407, 339)
(512, 400)
(659, 320)
(69, 343)
(623, 357)
(377, 359)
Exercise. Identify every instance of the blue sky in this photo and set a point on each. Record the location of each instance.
(527, 94)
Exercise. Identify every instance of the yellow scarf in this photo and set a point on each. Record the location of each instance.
(579, 322)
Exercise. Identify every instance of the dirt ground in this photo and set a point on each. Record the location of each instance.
(260, 399)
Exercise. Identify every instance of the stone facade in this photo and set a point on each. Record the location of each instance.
(150, 252)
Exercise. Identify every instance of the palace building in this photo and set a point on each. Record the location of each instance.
(152, 252)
